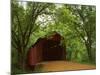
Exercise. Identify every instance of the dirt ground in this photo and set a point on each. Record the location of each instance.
(51, 66)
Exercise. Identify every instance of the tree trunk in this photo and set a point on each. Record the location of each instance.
(88, 47)
(22, 58)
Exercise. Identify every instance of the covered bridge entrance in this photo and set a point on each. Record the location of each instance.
(46, 49)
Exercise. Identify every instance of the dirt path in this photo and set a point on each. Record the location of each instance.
(63, 66)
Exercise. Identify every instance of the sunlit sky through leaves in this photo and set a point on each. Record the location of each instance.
(43, 19)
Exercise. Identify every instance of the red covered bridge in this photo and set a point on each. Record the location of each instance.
(46, 49)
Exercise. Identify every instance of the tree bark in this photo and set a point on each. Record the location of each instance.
(88, 47)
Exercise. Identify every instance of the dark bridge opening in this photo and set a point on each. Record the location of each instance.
(53, 51)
